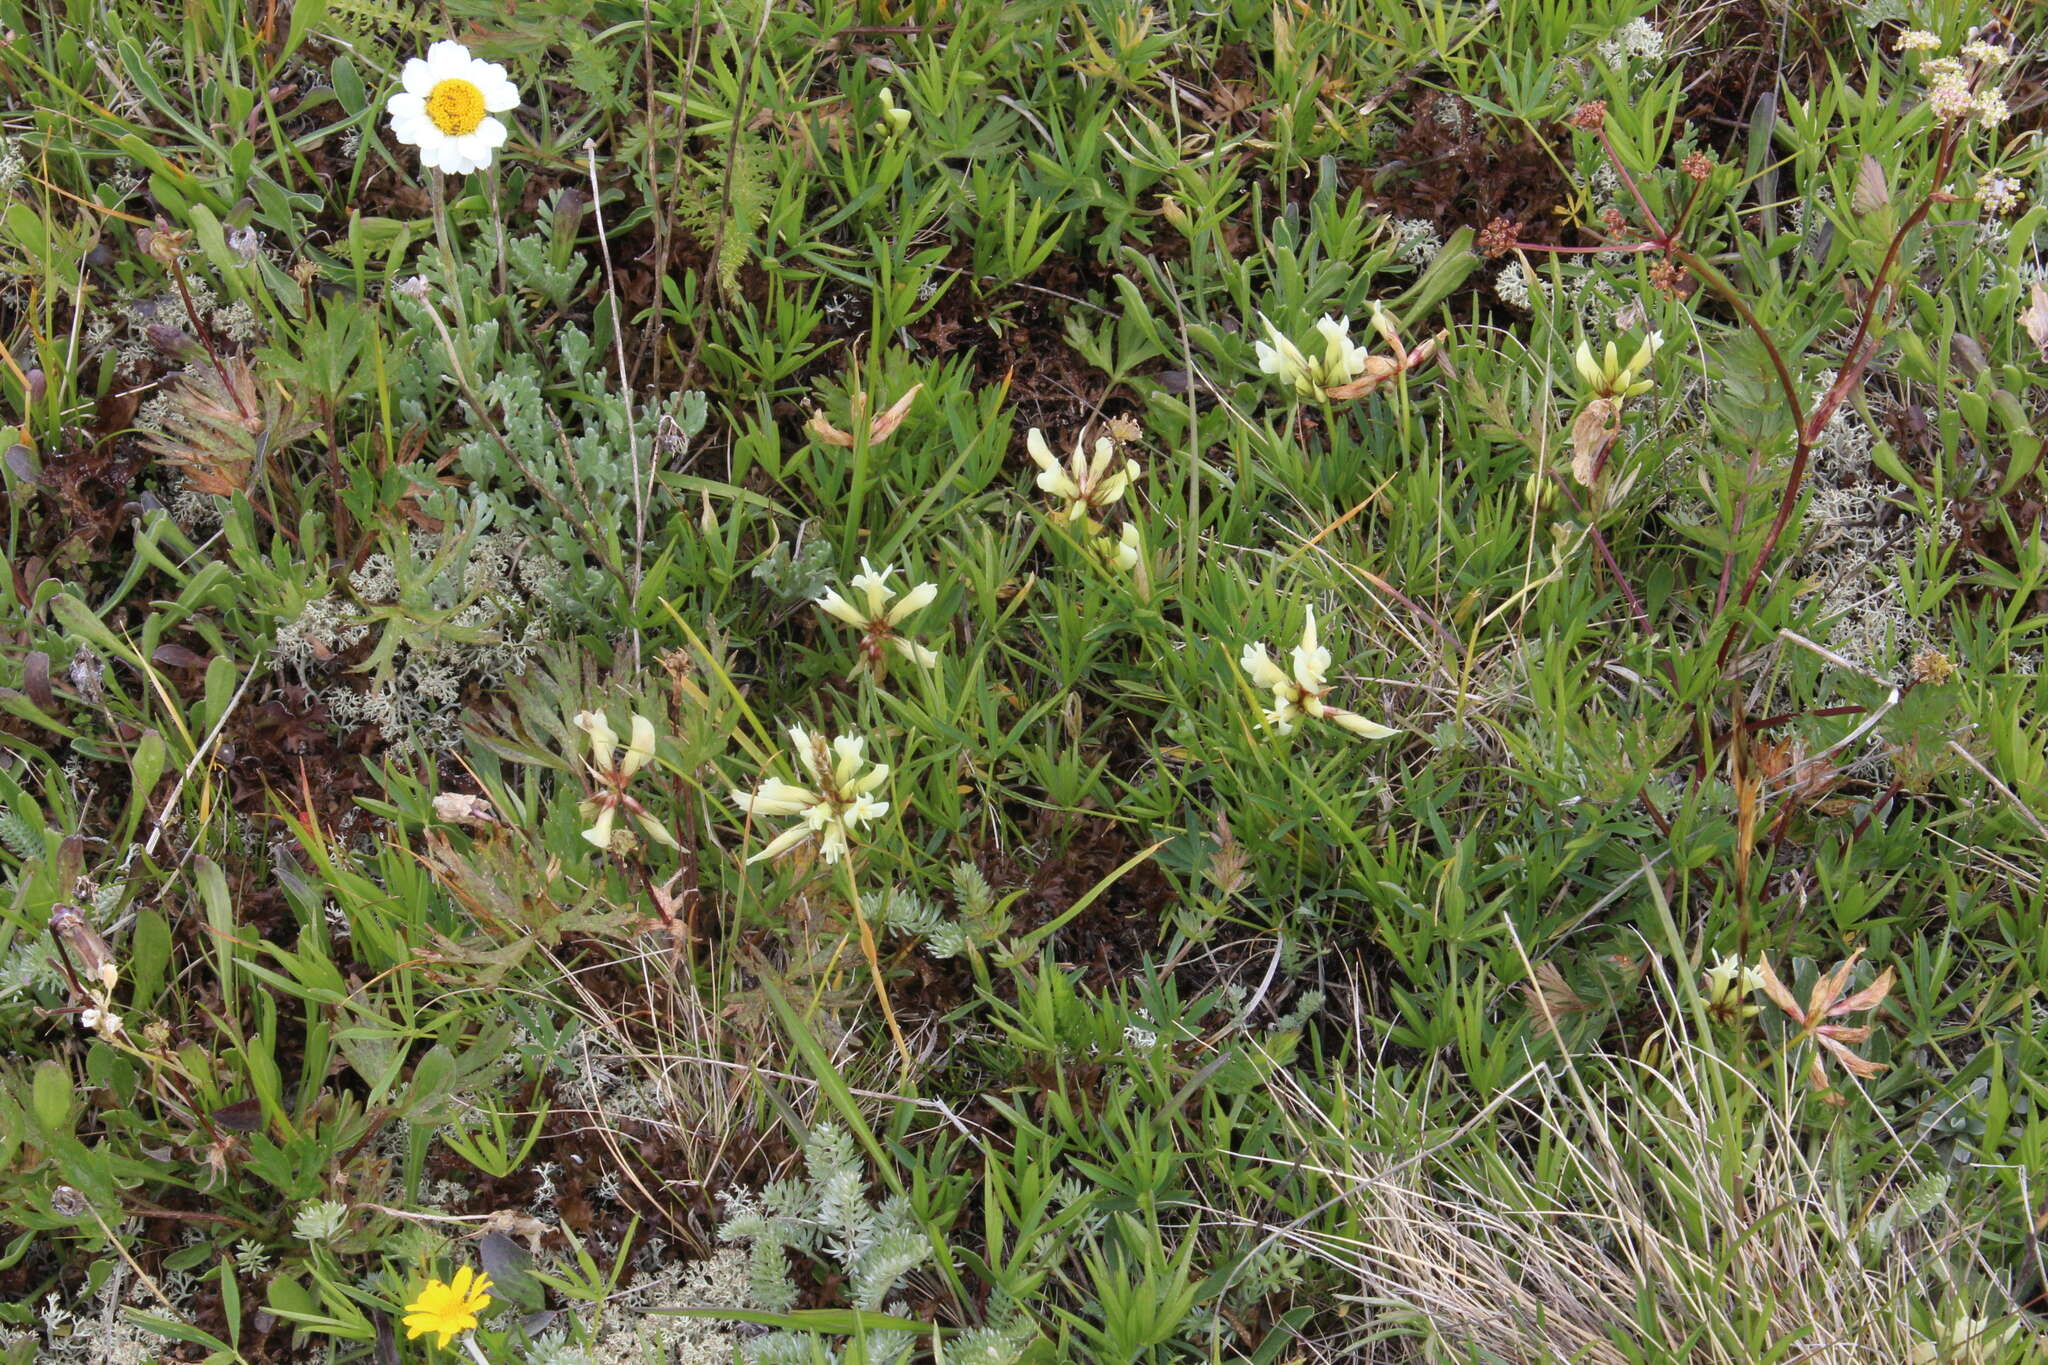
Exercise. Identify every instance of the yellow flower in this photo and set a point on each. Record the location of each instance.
(611, 770)
(870, 612)
(838, 802)
(448, 1308)
(1084, 486)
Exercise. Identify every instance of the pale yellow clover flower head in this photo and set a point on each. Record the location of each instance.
(1122, 552)
(1609, 377)
(894, 122)
(1086, 485)
(871, 612)
(1727, 985)
(445, 108)
(1282, 359)
(839, 801)
(446, 1309)
(612, 768)
(1300, 692)
(1342, 360)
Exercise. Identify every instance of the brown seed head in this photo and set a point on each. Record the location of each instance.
(1497, 238)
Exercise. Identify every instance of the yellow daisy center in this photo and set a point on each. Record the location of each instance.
(456, 107)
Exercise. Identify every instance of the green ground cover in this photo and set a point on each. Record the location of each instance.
(1022, 681)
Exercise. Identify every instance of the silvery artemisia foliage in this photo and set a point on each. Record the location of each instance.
(563, 474)
(826, 1214)
(446, 610)
(913, 916)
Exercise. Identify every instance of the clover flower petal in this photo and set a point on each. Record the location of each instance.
(912, 602)
(640, 749)
(832, 604)
(604, 741)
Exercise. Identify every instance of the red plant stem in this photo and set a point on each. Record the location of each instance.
(1635, 605)
(199, 330)
(1854, 361)
(1657, 232)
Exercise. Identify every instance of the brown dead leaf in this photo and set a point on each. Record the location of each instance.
(2034, 317)
(1597, 424)
(1550, 996)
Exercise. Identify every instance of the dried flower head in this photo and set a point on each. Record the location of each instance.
(1697, 165)
(1123, 429)
(1827, 1002)
(1498, 237)
(880, 427)
(1932, 668)
(1591, 116)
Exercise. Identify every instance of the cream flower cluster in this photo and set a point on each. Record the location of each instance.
(445, 108)
(1300, 692)
(839, 800)
(1342, 360)
(612, 768)
(1344, 370)
(878, 621)
(1727, 985)
(1086, 486)
(1956, 86)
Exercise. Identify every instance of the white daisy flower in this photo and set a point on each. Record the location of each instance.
(446, 106)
